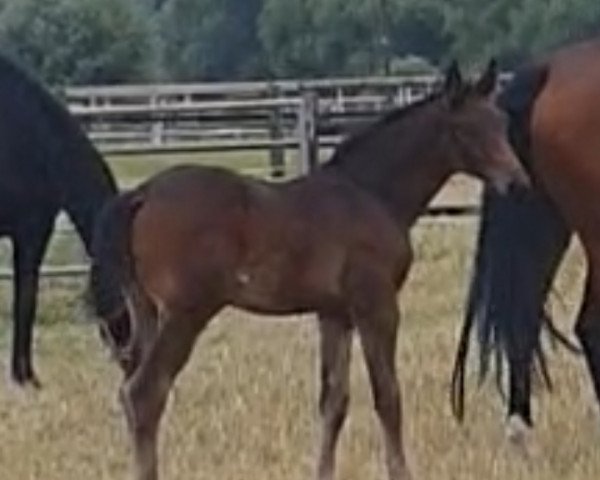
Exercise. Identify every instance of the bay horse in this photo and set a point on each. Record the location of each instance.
(169, 255)
(554, 108)
(46, 164)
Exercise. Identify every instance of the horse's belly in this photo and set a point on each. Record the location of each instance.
(288, 284)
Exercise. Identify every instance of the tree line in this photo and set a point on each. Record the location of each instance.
(117, 41)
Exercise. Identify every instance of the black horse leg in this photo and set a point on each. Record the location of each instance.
(587, 330)
(28, 251)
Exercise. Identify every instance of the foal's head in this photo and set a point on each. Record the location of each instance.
(476, 139)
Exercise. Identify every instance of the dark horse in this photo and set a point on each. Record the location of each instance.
(46, 164)
(192, 240)
(554, 107)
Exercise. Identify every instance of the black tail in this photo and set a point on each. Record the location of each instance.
(522, 239)
(112, 268)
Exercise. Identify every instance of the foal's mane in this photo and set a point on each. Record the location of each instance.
(393, 116)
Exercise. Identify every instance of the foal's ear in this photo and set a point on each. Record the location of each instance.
(454, 86)
(486, 85)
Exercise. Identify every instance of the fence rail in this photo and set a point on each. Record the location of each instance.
(270, 115)
(338, 87)
(273, 116)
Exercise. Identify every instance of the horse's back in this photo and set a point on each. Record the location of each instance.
(571, 94)
(565, 131)
(321, 204)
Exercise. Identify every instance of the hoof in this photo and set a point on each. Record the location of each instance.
(25, 379)
(518, 434)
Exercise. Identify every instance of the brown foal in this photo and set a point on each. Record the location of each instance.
(171, 254)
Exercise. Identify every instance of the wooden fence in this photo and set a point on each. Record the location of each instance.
(274, 116)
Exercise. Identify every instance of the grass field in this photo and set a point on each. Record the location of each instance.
(245, 408)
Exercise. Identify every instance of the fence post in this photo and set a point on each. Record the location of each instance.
(307, 131)
(390, 100)
(157, 129)
(277, 153)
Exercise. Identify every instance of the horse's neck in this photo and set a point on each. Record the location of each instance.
(410, 195)
(87, 188)
(406, 181)
(75, 168)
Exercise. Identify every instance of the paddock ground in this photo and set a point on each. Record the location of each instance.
(245, 408)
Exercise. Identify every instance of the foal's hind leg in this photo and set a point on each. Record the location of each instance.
(144, 394)
(377, 320)
(336, 343)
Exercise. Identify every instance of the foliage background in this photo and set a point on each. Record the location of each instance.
(115, 41)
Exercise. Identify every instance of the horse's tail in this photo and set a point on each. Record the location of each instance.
(522, 239)
(112, 267)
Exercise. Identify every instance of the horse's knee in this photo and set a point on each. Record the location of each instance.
(334, 403)
(142, 406)
(131, 406)
(386, 400)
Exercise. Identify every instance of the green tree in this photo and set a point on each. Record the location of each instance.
(315, 37)
(288, 36)
(77, 41)
(516, 29)
(348, 37)
(150, 5)
(349, 34)
(416, 27)
(210, 39)
(542, 25)
(107, 41)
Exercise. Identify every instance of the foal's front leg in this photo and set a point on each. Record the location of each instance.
(335, 350)
(376, 316)
(143, 318)
(144, 394)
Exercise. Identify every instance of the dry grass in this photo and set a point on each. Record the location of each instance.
(245, 406)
